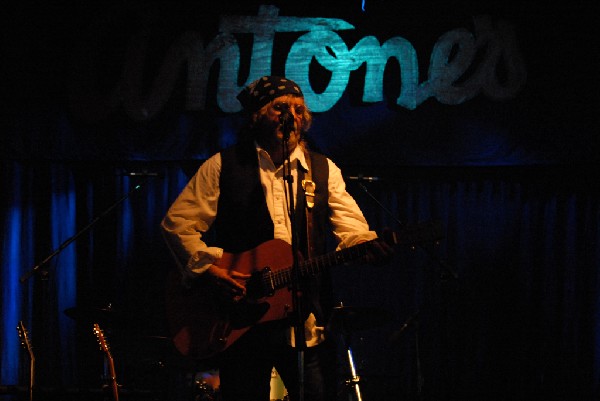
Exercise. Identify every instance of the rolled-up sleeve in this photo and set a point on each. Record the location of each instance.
(191, 215)
(349, 224)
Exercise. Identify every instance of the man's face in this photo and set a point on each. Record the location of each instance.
(270, 127)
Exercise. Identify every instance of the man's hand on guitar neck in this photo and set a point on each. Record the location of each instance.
(228, 282)
(379, 252)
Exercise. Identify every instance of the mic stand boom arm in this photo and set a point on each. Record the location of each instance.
(429, 253)
(85, 229)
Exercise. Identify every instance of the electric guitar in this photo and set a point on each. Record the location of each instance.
(26, 343)
(111, 364)
(202, 324)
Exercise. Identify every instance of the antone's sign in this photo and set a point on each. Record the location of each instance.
(462, 64)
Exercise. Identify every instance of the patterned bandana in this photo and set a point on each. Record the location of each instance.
(264, 90)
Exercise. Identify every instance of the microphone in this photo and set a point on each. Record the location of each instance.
(286, 119)
(140, 174)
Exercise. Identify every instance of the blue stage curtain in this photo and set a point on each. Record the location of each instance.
(522, 318)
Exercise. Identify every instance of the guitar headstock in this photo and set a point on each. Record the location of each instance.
(104, 347)
(101, 339)
(24, 337)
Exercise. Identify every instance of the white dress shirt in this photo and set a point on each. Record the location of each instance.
(195, 209)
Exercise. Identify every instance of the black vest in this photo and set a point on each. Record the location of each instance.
(243, 220)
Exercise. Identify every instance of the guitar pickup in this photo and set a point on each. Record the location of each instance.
(268, 282)
(261, 284)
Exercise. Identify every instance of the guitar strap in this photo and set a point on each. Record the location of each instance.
(309, 187)
(309, 192)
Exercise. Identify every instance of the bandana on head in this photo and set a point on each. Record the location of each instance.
(264, 90)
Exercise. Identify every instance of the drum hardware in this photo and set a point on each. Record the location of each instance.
(88, 316)
(206, 386)
(344, 321)
(203, 392)
(354, 380)
(348, 319)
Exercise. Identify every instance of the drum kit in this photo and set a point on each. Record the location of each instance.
(204, 380)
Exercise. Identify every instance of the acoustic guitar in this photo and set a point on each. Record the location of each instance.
(111, 363)
(203, 324)
(26, 343)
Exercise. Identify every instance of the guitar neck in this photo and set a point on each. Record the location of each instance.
(24, 336)
(414, 234)
(113, 377)
(111, 363)
(317, 265)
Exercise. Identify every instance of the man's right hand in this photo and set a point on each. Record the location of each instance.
(228, 282)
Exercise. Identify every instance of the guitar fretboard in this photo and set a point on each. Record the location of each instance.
(315, 266)
(414, 234)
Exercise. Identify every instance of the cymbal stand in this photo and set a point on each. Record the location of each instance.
(354, 380)
(343, 322)
(447, 272)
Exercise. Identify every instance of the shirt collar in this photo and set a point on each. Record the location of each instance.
(297, 154)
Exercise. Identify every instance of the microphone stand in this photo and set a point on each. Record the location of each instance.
(43, 273)
(85, 229)
(413, 319)
(299, 335)
(428, 251)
